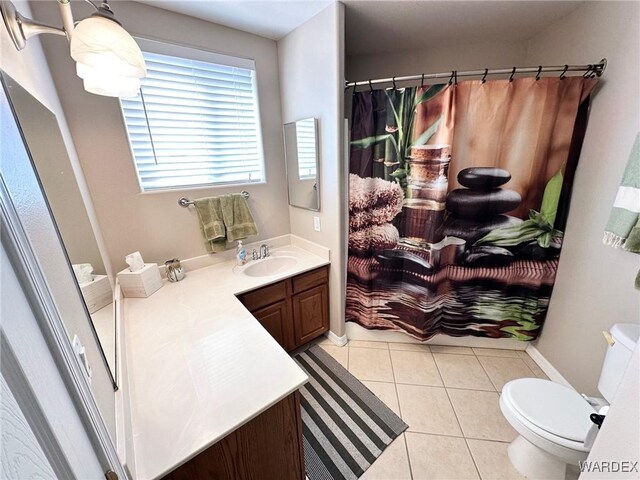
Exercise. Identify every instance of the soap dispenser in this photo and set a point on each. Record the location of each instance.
(241, 253)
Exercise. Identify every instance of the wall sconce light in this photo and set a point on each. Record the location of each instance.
(108, 59)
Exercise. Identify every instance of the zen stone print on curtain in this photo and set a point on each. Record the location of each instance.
(458, 201)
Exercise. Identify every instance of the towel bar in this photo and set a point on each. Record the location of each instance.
(185, 202)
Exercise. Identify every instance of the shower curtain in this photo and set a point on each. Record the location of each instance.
(458, 199)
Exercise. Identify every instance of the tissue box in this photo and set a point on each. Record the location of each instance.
(141, 283)
(97, 294)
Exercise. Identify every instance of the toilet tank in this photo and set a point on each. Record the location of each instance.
(625, 337)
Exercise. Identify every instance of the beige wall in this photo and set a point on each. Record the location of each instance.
(29, 68)
(153, 223)
(311, 73)
(433, 60)
(594, 286)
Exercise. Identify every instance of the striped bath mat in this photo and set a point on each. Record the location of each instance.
(345, 427)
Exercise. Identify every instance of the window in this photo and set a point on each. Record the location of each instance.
(195, 121)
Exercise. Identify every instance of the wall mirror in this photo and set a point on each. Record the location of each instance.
(301, 152)
(53, 168)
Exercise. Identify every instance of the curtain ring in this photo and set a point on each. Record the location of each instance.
(539, 72)
(566, 67)
(454, 77)
(370, 86)
(393, 80)
(484, 77)
(422, 81)
(513, 72)
(589, 68)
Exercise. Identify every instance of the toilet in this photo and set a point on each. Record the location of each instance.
(552, 420)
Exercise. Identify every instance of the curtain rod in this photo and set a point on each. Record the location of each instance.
(595, 69)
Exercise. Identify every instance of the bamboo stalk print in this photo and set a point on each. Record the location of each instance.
(399, 126)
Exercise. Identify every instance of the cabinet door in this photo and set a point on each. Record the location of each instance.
(267, 447)
(274, 318)
(310, 314)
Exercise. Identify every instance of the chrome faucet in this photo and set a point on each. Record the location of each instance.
(264, 252)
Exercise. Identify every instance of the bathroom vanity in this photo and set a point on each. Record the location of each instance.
(269, 446)
(294, 311)
(201, 357)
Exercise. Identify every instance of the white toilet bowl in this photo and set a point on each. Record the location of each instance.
(553, 422)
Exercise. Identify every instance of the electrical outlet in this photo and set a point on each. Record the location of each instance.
(316, 223)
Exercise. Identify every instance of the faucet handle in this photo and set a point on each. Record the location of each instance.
(254, 255)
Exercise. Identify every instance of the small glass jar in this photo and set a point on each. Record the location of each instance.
(428, 169)
(424, 208)
(175, 271)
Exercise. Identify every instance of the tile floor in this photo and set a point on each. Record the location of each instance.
(449, 398)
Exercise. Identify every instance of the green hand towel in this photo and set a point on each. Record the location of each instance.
(626, 207)
(633, 240)
(623, 227)
(633, 245)
(209, 211)
(237, 217)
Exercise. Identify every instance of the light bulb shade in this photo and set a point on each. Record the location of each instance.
(84, 71)
(110, 89)
(103, 45)
(99, 83)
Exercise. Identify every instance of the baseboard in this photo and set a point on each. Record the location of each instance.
(336, 340)
(549, 370)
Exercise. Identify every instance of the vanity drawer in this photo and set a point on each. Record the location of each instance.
(310, 279)
(264, 296)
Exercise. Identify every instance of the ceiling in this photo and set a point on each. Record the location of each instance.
(268, 18)
(379, 26)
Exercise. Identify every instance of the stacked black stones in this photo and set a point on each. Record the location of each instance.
(479, 208)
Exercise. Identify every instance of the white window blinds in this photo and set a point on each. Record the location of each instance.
(194, 123)
(306, 146)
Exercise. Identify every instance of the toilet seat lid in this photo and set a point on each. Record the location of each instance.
(550, 406)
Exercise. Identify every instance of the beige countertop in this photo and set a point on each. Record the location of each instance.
(200, 365)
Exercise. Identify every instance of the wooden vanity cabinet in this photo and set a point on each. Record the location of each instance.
(294, 311)
(269, 447)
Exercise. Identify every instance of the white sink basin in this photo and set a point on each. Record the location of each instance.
(270, 266)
